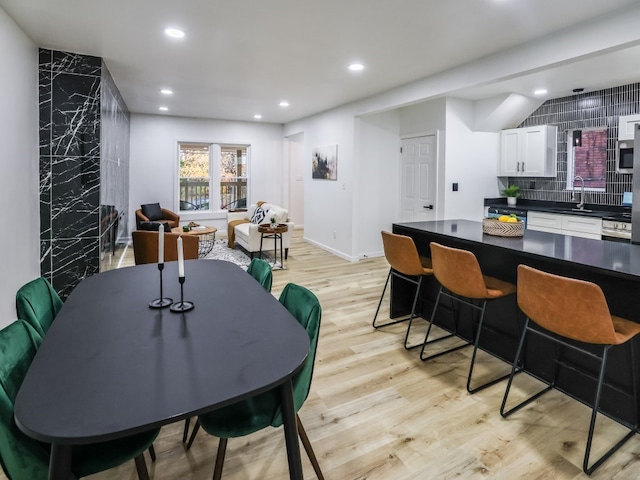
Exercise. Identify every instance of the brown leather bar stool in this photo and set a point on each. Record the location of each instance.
(567, 308)
(461, 280)
(402, 255)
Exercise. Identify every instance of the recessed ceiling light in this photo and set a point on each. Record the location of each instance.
(356, 67)
(284, 103)
(163, 109)
(257, 116)
(540, 91)
(174, 32)
(166, 91)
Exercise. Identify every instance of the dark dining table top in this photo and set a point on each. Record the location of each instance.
(111, 366)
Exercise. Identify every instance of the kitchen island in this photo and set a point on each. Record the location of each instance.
(614, 266)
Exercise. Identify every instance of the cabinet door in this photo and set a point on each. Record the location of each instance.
(534, 152)
(544, 222)
(587, 227)
(510, 146)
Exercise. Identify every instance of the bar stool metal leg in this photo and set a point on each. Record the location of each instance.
(426, 342)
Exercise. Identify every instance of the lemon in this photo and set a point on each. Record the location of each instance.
(512, 220)
(504, 218)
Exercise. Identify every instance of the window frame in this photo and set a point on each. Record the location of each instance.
(570, 184)
(214, 180)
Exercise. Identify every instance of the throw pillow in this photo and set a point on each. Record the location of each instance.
(152, 211)
(258, 215)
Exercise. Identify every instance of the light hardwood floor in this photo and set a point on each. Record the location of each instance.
(376, 411)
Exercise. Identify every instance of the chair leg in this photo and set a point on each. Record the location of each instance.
(152, 453)
(426, 337)
(286, 253)
(307, 448)
(380, 303)
(222, 450)
(141, 468)
(194, 432)
(412, 316)
(515, 369)
(185, 433)
(473, 357)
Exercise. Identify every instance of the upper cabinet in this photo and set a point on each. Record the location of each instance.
(626, 124)
(528, 152)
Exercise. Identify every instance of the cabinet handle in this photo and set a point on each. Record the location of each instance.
(517, 166)
(522, 167)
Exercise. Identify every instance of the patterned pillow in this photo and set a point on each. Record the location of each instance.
(259, 215)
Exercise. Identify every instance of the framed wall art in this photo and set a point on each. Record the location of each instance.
(324, 162)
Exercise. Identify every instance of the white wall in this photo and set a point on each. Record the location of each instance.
(19, 197)
(471, 160)
(154, 160)
(377, 183)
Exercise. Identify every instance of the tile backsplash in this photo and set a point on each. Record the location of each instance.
(600, 108)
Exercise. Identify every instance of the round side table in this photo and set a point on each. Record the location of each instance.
(266, 231)
(207, 237)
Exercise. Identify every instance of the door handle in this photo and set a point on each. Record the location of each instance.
(430, 207)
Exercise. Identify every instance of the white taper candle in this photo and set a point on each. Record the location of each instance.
(180, 258)
(161, 243)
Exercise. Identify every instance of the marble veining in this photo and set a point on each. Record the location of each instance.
(81, 161)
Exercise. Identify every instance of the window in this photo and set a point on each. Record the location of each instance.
(233, 177)
(195, 181)
(587, 159)
(211, 171)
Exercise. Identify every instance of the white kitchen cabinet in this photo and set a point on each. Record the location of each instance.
(528, 152)
(626, 124)
(574, 225)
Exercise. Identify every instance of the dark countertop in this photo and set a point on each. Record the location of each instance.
(563, 208)
(617, 258)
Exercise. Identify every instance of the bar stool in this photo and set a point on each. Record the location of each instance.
(461, 280)
(576, 310)
(402, 255)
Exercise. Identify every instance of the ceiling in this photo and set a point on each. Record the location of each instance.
(242, 57)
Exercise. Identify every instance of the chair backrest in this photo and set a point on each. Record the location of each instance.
(458, 271)
(572, 308)
(305, 307)
(38, 303)
(145, 246)
(22, 458)
(261, 271)
(401, 253)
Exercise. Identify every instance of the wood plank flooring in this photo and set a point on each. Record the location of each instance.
(377, 412)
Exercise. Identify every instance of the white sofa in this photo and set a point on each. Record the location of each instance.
(248, 236)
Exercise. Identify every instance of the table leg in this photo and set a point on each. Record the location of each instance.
(290, 430)
(60, 462)
(261, 237)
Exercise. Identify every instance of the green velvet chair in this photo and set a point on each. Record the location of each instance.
(261, 271)
(256, 413)
(23, 458)
(38, 303)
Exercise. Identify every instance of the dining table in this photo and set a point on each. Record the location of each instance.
(112, 366)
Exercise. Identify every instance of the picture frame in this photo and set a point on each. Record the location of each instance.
(324, 162)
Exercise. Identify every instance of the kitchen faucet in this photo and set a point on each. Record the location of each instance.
(580, 206)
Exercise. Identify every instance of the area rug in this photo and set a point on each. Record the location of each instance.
(236, 255)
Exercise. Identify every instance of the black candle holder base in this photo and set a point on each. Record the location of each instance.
(161, 302)
(182, 307)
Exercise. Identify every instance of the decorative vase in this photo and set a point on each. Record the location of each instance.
(511, 200)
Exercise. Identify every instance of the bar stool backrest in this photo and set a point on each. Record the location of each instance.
(569, 307)
(402, 254)
(458, 271)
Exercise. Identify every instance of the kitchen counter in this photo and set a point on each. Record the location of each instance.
(614, 266)
(564, 208)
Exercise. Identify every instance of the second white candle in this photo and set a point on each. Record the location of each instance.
(180, 258)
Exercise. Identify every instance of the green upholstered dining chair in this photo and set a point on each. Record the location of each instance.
(23, 458)
(256, 413)
(261, 271)
(38, 303)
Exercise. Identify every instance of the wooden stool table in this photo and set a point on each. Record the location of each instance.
(207, 238)
(266, 231)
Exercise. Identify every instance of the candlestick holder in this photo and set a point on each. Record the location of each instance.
(181, 306)
(161, 302)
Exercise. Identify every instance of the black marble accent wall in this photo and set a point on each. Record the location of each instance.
(600, 108)
(71, 178)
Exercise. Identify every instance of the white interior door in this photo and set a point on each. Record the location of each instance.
(295, 154)
(419, 179)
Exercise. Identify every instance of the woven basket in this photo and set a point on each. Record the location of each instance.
(491, 226)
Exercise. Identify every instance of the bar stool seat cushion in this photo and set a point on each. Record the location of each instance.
(625, 329)
(497, 288)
